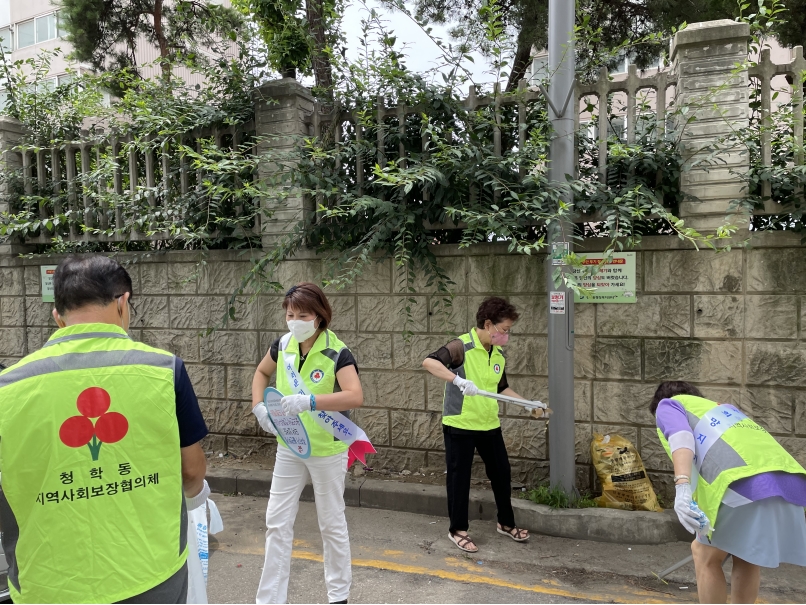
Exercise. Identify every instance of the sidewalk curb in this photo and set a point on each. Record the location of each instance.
(598, 524)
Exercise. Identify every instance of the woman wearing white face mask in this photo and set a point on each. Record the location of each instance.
(468, 364)
(330, 374)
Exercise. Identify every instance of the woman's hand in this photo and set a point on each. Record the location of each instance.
(690, 515)
(296, 404)
(466, 386)
(262, 415)
(350, 397)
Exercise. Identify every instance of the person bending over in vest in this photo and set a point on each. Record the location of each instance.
(101, 461)
(737, 489)
(470, 422)
(329, 374)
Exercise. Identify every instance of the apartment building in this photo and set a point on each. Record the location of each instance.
(28, 27)
(31, 26)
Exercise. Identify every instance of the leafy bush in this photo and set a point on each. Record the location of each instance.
(204, 192)
(438, 178)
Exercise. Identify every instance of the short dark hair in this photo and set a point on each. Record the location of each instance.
(89, 280)
(309, 297)
(670, 388)
(495, 309)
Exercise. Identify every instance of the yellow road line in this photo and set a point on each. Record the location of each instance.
(639, 596)
(466, 577)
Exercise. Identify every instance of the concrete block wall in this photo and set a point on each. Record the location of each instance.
(733, 323)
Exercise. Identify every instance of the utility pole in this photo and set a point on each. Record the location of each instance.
(562, 105)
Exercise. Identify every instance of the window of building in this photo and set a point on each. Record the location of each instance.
(45, 28)
(540, 68)
(656, 63)
(64, 79)
(5, 12)
(623, 62)
(646, 125)
(47, 85)
(26, 34)
(40, 86)
(616, 127)
(5, 34)
(36, 31)
(589, 129)
(60, 26)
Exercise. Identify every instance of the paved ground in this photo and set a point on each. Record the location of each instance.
(407, 558)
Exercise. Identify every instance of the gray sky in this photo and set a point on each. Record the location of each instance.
(422, 53)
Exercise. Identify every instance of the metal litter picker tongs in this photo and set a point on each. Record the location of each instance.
(524, 403)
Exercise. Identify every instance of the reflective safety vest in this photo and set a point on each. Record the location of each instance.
(728, 446)
(319, 375)
(92, 507)
(485, 369)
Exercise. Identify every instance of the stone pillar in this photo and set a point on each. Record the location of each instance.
(280, 110)
(11, 133)
(705, 58)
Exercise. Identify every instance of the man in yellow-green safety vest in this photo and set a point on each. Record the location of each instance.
(471, 363)
(99, 453)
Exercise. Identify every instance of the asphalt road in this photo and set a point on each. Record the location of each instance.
(407, 558)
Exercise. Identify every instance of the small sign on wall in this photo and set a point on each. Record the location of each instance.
(613, 282)
(48, 271)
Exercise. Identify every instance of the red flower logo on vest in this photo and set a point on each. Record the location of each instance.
(110, 427)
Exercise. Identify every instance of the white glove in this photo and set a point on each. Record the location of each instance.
(690, 515)
(296, 404)
(262, 415)
(199, 499)
(466, 386)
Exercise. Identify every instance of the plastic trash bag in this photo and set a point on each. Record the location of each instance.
(625, 484)
(198, 549)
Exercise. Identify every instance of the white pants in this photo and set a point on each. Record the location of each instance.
(291, 473)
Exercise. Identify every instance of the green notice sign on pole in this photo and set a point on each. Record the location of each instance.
(613, 282)
(48, 271)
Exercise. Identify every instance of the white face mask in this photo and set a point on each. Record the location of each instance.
(301, 330)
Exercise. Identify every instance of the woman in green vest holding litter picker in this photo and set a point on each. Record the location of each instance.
(316, 373)
(469, 364)
(736, 488)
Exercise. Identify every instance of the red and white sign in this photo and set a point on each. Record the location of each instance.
(557, 303)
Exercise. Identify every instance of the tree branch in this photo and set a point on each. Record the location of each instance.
(162, 41)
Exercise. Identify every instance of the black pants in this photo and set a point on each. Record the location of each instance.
(460, 446)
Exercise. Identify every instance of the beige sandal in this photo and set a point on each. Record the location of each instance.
(463, 542)
(517, 534)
